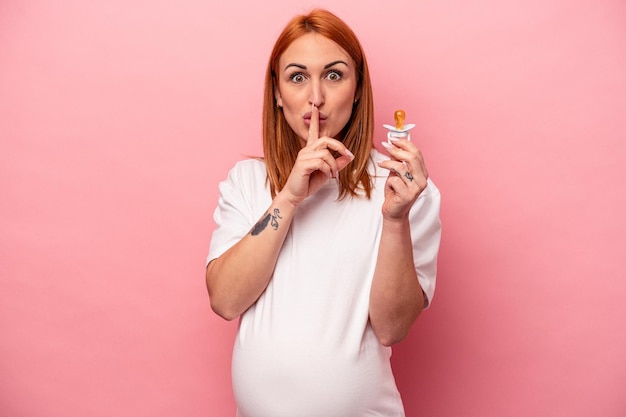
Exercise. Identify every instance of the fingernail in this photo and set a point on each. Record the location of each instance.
(387, 145)
(350, 154)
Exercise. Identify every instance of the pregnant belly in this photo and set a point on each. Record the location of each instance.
(296, 381)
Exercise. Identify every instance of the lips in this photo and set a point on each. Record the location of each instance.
(307, 118)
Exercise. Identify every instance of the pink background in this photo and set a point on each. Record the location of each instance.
(119, 118)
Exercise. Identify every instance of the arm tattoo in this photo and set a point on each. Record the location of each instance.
(262, 224)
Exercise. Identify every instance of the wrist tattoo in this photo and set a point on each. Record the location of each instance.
(269, 218)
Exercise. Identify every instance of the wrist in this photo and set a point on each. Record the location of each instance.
(396, 222)
(285, 203)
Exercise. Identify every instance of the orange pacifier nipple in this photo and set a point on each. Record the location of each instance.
(399, 116)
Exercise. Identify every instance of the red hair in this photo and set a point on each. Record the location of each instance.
(280, 143)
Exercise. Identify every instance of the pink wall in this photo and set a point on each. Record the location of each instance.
(119, 118)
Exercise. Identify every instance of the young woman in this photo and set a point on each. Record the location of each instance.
(325, 249)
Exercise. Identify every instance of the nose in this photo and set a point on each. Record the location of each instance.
(316, 94)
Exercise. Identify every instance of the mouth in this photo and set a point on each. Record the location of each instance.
(307, 118)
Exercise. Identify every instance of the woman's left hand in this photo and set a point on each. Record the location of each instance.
(407, 178)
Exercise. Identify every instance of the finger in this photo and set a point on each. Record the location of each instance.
(343, 161)
(400, 146)
(314, 125)
(329, 163)
(395, 168)
(334, 145)
(402, 142)
(404, 173)
(334, 164)
(409, 154)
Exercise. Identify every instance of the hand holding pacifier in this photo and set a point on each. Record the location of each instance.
(408, 175)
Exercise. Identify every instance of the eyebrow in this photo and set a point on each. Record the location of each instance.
(325, 66)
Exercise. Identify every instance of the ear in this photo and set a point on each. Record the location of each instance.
(279, 100)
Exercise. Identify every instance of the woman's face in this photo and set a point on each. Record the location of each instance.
(316, 70)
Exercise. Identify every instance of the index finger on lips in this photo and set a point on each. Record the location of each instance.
(314, 125)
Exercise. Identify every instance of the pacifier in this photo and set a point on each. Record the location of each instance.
(400, 130)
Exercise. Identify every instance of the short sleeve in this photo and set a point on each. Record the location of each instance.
(426, 236)
(236, 213)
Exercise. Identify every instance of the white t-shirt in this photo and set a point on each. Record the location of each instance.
(306, 348)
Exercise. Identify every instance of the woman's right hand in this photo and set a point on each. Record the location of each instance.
(315, 163)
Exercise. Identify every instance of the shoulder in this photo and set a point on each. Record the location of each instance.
(249, 166)
(246, 181)
(247, 171)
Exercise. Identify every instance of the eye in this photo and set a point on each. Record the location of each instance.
(334, 75)
(297, 77)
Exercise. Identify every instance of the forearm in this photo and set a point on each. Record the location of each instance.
(396, 298)
(236, 279)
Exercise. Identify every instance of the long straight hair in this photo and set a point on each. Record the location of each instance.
(280, 143)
